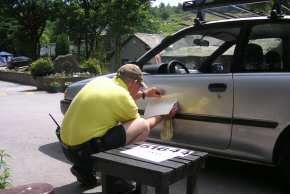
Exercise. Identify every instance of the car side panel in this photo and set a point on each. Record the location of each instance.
(261, 112)
(200, 121)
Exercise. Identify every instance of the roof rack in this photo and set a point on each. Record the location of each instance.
(209, 6)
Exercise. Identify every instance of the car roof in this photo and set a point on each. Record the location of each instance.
(215, 26)
(220, 28)
(235, 8)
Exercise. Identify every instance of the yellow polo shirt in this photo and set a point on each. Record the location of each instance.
(100, 105)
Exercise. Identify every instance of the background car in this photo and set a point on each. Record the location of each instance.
(19, 62)
(5, 58)
(233, 93)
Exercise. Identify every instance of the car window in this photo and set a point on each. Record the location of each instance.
(267, 49)
(222, 64)
(191, 50)
(197, 49)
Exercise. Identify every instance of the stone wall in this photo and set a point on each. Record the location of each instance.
(22, 78)
(42, 83)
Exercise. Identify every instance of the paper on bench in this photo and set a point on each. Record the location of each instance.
(159, 106)
(156, 153)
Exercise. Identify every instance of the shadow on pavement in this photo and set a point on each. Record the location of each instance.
(254, 178)
(53, 150)
(74, 188)
(30, 90)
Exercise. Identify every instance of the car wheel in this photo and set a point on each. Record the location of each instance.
(284, 165)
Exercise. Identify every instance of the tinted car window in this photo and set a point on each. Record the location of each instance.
(267, 49)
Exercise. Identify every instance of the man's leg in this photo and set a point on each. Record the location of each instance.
(136, 130)
(82, 168)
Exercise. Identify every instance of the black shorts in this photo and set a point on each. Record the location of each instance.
(80, 155)
(114, 138)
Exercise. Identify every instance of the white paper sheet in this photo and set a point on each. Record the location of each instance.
(159, 106)
(156, 153)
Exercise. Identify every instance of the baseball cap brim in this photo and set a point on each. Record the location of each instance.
(143, 85)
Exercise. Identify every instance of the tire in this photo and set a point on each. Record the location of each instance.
(284, 164)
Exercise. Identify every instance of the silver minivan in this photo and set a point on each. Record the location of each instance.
(232, 81)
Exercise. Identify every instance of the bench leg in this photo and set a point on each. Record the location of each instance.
(107, 182)
(162, 189)
(191, 187)
(140, 189)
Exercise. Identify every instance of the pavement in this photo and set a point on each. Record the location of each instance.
(27, 135)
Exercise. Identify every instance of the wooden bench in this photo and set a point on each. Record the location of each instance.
(114, 163)
(33, 188)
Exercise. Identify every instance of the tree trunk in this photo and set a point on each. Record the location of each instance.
(93, 46)
(34, 49)
(87, 45)
(117, 52)
(79, 45)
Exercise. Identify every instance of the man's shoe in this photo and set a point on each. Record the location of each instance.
(88, 181)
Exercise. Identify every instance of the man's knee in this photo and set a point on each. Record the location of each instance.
(144, 124)
(139, 124)
(136, 130)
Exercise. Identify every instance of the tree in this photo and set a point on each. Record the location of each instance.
(8, 27)
(62, 45)
(31, 17)
(83, 20)
(49, 33)
(125, 17)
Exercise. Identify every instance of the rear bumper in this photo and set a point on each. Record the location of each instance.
(64, 104)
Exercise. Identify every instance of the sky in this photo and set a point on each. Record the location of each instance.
(171, 2)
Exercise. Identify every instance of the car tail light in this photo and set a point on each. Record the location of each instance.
(65, 93)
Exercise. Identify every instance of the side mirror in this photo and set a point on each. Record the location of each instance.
(200, 42)
(218, 68)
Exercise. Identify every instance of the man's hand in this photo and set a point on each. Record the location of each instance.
(154, 92)
(153, 121)
(173, 111)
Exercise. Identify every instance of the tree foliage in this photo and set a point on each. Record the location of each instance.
(83, 20)
(26, 23)
(62, 44)
(124, 18)
(30, 17)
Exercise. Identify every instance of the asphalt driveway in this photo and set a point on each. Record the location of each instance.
(27, 134)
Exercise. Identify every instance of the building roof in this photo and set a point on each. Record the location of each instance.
(149, 39)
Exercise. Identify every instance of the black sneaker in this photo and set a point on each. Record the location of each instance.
(88, 181)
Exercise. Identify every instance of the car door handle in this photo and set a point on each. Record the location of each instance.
(217, 87)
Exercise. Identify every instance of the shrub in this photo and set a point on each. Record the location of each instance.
(91, 65)
(42, 67)
(54, 86)
(4, 170)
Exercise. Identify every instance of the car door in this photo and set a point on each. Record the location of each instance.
(205, 98)
(206, 113)
(262, 91)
